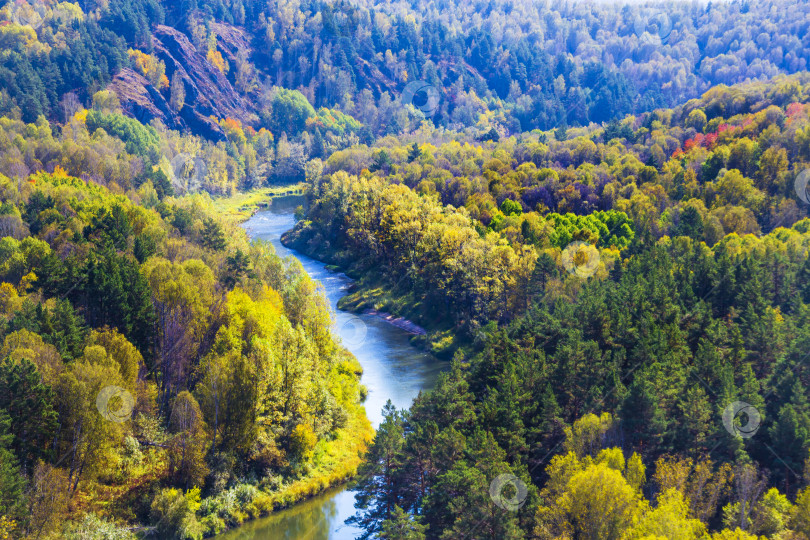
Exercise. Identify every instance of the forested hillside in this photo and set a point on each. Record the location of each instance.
(508, 67)
(615, 296)
(598, 212)
(158, 368)
(468, 232)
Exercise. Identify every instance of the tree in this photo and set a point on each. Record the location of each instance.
(187, 449)
(29, 405)
(12, 482)
(178, 92)
(378, 489)
(642, 418)
(290, 110)
(213, 237)
(402, 526)
(238, 266)
(173, 513)
(598, 503)
(414, 152)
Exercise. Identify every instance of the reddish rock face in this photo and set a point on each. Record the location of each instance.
(208, 91)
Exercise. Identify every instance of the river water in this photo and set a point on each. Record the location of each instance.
(392, 369)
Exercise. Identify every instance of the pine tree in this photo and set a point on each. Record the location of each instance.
(402, 526)
(213, 237)
(379, 489)
(29, 404)
(12, 482)
(643, 421)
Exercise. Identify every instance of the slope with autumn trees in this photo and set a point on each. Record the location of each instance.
(230, 386)
(605, 396)
(469, 232)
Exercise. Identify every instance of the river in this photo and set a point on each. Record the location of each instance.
(392, 369)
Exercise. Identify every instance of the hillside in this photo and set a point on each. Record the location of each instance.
(509, 68)
(626, 308)
(597, 212)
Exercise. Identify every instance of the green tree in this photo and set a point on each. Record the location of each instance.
(402, 526)
(12, 482)
(29, 404)
(377, 491)
(213, 236)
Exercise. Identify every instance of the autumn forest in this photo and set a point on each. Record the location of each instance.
(591, 218)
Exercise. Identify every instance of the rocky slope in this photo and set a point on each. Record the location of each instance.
(208, 91)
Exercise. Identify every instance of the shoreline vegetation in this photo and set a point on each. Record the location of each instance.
(344, 452)
(223, 396)
(372, 293)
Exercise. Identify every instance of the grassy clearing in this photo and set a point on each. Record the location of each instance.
(243, 204)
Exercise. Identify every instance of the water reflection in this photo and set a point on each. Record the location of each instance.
(392, 369)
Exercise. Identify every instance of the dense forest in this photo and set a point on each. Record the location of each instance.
(508, 68)
(598, 212)
(469, 233)
(221, 392)
(614, 297)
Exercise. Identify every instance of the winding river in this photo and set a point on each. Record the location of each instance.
(392, 369)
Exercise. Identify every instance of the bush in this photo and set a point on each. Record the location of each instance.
(174, 514)
(93, 527)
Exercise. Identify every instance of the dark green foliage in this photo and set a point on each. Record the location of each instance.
(108, 290)
(162, 185)
(143, 247)
(182, 219)
(237, 266)
(378, 492)
(212, 235)
(29, 404)
(653, 345)
(414, 152)
(12, 484)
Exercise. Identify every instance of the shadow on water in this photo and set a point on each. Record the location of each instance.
(392, 369)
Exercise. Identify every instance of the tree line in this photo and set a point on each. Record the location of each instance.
(159, 367)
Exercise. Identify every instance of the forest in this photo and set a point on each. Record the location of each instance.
(509, 68)
(159, 368)
(598, 212)
(596, 381)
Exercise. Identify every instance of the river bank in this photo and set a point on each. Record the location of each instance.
(392, 369)
(373, 291)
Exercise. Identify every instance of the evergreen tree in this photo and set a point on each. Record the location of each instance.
(213, 237)
(29, 404)
(379, 489)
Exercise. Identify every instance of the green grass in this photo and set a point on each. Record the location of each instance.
(243, 204)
